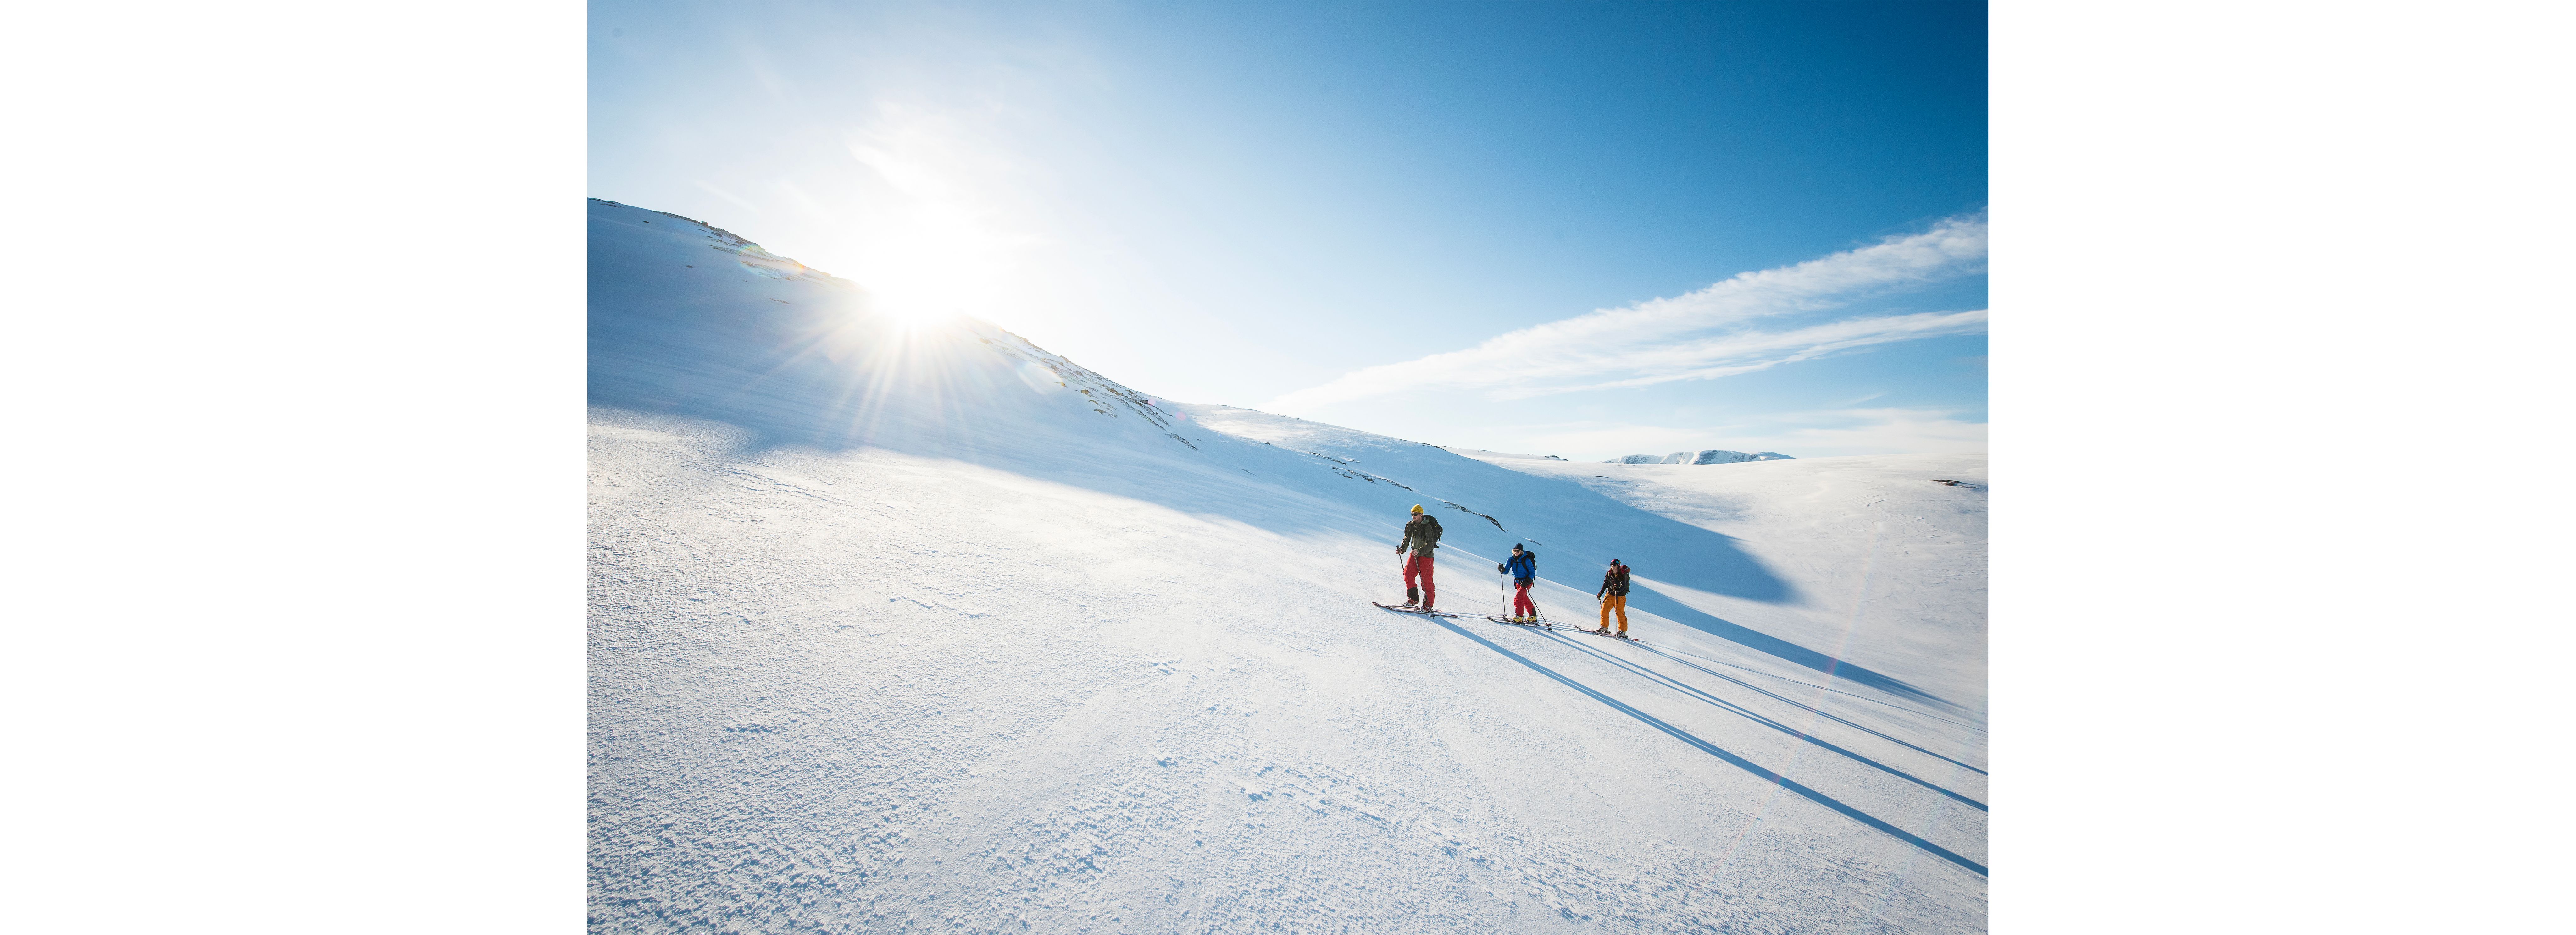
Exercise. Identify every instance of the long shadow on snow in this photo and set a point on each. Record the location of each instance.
(1721, 753)
(1722, 704)
(1645, 598)
(1819, 712)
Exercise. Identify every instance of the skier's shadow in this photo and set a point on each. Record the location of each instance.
(1783, 782)
(1806, 736)
(1642, 597)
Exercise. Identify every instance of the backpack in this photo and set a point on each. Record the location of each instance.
(1434, 522)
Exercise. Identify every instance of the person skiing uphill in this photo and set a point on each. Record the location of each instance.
(1421, 535)
(1614, 596)
(1523, 567)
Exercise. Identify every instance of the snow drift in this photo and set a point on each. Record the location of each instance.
(899, 623)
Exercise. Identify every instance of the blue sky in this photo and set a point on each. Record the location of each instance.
(1575, 229)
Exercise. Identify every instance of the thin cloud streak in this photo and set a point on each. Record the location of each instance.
(1702, 335)
(728, 196)
(1845, 431)
(1745, 352)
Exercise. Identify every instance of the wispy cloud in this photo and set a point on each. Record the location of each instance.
(728, 196)
(1802, 434)
(1703, 335)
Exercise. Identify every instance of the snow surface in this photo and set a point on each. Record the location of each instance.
(919, 625)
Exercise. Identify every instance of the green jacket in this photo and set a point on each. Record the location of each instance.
(1421, 535)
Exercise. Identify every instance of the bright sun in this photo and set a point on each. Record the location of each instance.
(937, 244)
(935, 271)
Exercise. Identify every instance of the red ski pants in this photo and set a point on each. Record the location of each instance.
(1418, 562)
(1522, 606)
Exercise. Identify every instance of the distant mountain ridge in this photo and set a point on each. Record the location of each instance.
(1710, 456)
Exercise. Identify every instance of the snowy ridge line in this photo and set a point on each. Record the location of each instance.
(1731, 759)
(1345, 468)
(1069, 374)
(1824, 688)
(1758, 718)
(751, 255)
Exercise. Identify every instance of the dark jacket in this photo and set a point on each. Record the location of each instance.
(1523, 566)
(1421, 535)
(1614, 582)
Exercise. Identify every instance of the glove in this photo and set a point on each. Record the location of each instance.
(1498, 569)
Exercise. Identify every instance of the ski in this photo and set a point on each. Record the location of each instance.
(1401, 609)
(1552, 628)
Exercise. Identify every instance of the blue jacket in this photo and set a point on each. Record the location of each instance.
(1524, 567)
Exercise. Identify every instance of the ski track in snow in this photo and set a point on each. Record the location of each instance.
(976, 650)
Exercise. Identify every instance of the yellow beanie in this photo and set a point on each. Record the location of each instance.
(1417, 508)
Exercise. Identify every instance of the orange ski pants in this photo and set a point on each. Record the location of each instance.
(1618, 602)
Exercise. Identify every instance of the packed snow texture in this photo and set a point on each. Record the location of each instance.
(900, 624)
(1709, 456)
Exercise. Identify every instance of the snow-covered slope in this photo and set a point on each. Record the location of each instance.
(899, 624)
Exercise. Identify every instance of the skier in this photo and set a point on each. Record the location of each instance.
(1421, 535)
(1614, 596)
(1523, 567)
